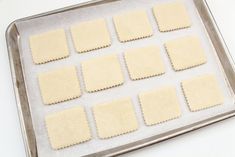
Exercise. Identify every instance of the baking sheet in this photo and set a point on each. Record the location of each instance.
(130, 88)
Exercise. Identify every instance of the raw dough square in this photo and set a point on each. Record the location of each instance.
(144, 62)
(160, 105)
(202, 92)
(185, 52)
(59, 85)
(132, 25)
(102, 73)
(90, 35)
(68, 127)
(49, 46)
(171, 16)
(115, 118)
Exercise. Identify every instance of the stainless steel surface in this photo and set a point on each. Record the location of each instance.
(13, 38)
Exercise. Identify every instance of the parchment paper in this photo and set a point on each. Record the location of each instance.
(130, 88)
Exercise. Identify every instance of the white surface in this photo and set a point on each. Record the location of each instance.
(216, 140)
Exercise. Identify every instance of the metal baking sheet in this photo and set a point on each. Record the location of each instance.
(32, 110)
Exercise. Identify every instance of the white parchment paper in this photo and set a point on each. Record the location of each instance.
(130, 88)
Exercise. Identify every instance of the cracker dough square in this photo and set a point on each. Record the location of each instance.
(115, 118)
(185, 52)
(202, 92)
(49, 46)
(144, 62)
(90, 35)
(132, 25)
(171, 16)
(102, 73)
(160, 105)
(59, 85)
(68, 127)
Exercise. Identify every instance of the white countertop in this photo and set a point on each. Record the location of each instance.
(216, 140)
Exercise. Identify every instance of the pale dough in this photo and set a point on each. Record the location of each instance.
(90, 35)
(115, 118)
(144, 62)
(132, 25)
(102, 72)
(67, 127)
(202, 92)
(49, 46)
(185, 52)
(59, 85)
(160, 105)
(171, 16)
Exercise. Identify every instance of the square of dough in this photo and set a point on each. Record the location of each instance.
(49, 46)
(67, 127)
(132, 25)
(115, 118)
(102, 73)
(144, 62)
(185, 52)
(90, 35)
(59, 85)
(202, 92)
(171, 16)
(160, 105)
